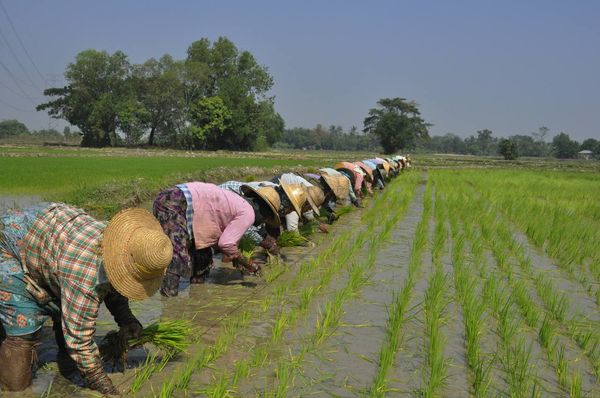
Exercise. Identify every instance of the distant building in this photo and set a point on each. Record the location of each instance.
(586, 154)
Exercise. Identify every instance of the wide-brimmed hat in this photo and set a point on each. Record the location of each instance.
(315, 198)
(136, 253)
(296, 193)
(268, 195)
(338, 184)
(366, 169)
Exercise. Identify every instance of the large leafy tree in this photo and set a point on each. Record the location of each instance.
(242, 84)
(397, 122)
(95, 96)
(564, 147)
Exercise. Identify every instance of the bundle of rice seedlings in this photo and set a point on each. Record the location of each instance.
(167, 335)
(291, 238)
(170, 336)
(344, 210)
(247, 247)
(309, 228)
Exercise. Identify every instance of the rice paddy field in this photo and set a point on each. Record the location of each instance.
(452, 282)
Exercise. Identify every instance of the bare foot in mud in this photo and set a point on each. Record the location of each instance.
(195, 280)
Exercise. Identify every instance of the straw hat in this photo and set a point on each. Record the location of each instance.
(338, 184)
(296, 193)
(316, 197)
(269, 195)
(136, 253)
(366, 169)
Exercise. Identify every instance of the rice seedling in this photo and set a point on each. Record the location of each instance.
(291, 239)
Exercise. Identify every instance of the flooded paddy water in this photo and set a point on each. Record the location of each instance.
(431, 290)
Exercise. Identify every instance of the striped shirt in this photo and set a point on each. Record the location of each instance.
(189, 211)
(62, 252)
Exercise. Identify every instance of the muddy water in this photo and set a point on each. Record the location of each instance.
(17, 201)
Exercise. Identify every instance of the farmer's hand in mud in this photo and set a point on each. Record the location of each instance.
(97, 380)
(324, 228)
(129, 331)
(270, 244)
(249, 266)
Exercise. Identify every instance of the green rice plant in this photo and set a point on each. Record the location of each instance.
(247, 247)
(151, 365)
(171, 335)
(562, 368)
(529, 309)
(343, 210)
(308, 228)
(516, 364)
(290, 239)
(575, 386)
(546, 334)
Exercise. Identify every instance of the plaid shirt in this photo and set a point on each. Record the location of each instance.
(252, 232)
(62, 253)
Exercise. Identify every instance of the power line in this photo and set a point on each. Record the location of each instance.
(21, 42)
(14, 79)
(14, 107)
(17, 59)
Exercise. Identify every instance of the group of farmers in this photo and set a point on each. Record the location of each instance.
(58, 262)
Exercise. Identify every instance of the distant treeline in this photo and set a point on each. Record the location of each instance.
(334, 138)
(14, 131)
(534, 145)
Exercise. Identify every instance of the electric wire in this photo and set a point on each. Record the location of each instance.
(14, 54)
(21, 42)
(14, 79)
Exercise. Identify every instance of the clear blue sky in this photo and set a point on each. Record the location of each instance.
(510, 66)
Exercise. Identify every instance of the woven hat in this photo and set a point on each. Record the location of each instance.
(268, 195)
(338, 184)
(136, 253)
(366, 169)
(296, 193)
(315, 198)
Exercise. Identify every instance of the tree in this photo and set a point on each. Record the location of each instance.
(211, 119)
(564, 147)
(589, 144)
(92, 99)
(397, 123)
(508, 149)
(12, 127)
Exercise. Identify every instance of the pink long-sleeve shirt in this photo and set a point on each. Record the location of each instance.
(221, 217)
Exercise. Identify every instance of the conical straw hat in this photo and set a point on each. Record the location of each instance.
(270, 196)
(338, 184)
(316, 197)
(296, 193)
(136, 253)
(366, 169)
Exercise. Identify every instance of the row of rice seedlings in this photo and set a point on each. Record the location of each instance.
(436, 365)
(557, 305)
(561, 234)
(473, 308)
(331, 314)
(514, 355)
(208, 355)
(397, 312)
(570, 381)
